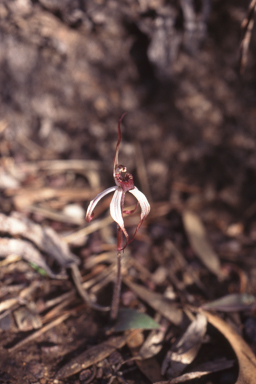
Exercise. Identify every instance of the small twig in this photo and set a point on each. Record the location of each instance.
(68, 297)
(84, 295)
(88, 229)
(56, 310)
(40, 332)
(54, 215)
(10, 304)
(247, 25)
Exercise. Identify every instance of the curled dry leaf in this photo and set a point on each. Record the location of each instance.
(27, 318)
(199, 242)
(150, 367)
(24, 294)
(245, 356)
(154, 341)
(184, 352)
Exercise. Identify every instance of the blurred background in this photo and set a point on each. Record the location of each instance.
(69, 68)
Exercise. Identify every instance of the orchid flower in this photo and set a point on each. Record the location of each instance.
(124, 183)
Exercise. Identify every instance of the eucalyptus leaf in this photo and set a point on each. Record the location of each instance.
(231, 303)
(131, 319)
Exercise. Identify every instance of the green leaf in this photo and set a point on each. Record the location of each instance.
(40, 270)
(131, 319)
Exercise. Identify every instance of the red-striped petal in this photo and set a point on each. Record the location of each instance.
(145, 207)
(144, 204)
(116, 209)
(94, 202)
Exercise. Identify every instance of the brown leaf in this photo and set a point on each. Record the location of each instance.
(185, 351)
(199, 242)
(245, 356)
(26, 251)
(24, 197)
(27, 318)
(157, 301)
(201, 370)
(154, 341)
(150, 368)
(92, 356)
(46, 239)
(231, 303)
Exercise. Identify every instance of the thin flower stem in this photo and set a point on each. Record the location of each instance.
(118, 282)
(118, 142)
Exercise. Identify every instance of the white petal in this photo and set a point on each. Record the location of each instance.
(116, 209)
(94, 202)
(145, 207)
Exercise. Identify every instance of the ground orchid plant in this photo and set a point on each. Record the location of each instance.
(124, 183)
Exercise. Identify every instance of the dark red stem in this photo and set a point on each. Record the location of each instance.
(118, 142)
(118, 282)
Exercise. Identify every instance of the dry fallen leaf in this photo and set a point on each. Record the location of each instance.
(185, 351)
(231, 303)
(25, 250)
(46, 239)
(199, 242)
(154, 341)
(201, 370)
(24, 197)
(150, 367)
(27, 317)
(157, 301)
(92, 356)
(245, 356)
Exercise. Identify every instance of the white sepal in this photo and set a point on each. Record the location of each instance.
(94, 202)
(143, 201)
(116, 209)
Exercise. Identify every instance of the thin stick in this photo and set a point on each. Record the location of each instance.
(40, 332)
(247, 25)
(82, 292)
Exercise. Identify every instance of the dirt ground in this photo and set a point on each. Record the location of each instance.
(68, 70)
